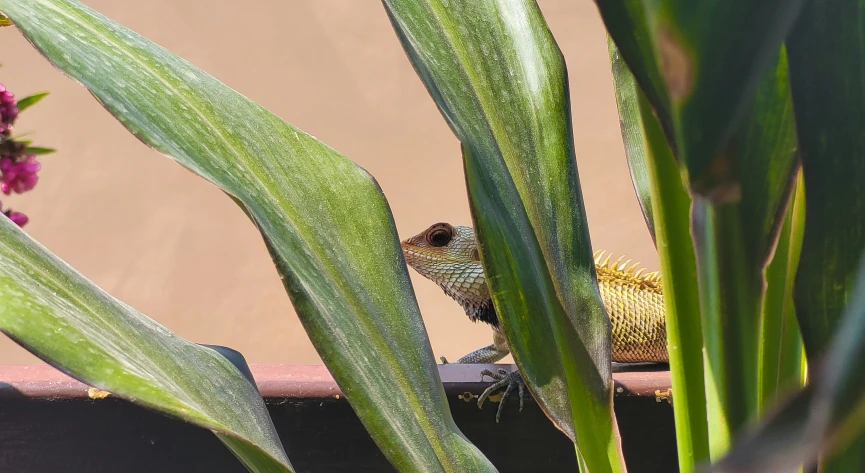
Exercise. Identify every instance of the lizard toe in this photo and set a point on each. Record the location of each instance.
(507, 380)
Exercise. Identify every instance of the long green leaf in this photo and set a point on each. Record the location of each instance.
(499, 79)
(66, 320)
(324, 220)
(827, 76)
(712, 56)
(631, 123)
(656, 177)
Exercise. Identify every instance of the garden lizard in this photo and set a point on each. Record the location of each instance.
(448, 255)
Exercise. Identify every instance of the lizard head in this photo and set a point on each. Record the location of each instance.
(448, 256)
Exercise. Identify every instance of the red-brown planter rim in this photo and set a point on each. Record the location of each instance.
(304, 381)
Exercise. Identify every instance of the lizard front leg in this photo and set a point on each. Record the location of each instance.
(488, 354)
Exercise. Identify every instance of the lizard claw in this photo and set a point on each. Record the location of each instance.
(444, 360)
(505, 378)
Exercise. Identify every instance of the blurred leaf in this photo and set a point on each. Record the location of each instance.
(663, 193)
(30, 100)
(711, 73)
(66, 320)
(631, 123)
(826, 75)
(826, 72)
(779, 445)
(40, 151)
(822, 418)
(499, 79)
(324, 220)
(626, 25)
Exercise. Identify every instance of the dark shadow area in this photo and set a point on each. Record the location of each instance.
(320, 435)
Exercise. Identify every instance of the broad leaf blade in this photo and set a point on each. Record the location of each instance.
(826, 54)
(712, 56)
(498, 78)
(826, 72)
(67, 321)
(324, 220)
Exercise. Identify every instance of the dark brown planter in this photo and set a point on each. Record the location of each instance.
(49, 424)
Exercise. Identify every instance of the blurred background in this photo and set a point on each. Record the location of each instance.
(174, 247)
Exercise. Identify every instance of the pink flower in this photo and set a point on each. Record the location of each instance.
(19, 218)
(8, 109)
(19, 176)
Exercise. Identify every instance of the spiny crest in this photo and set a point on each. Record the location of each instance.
(633, 271)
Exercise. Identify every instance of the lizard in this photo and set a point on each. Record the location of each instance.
(448, 255)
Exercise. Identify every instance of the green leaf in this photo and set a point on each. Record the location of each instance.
(822, 418)
(663, 193)
(499, 79)
(30, 100)
(627, 26)
(712, 56)
(324, 220)
(781, 348)
(826, 75)
(67, 321)
(4, 21)
(734, 238)
(40, 151)
(631, 123)
(780, 444)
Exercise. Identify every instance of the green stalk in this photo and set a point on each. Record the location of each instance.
(671, 207)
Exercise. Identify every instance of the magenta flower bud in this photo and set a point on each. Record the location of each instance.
(19, 218)
(8, 109)
(19, 177)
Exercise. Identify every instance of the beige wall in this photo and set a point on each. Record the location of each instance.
(176, 248)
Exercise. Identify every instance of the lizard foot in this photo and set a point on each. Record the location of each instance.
(504, 378)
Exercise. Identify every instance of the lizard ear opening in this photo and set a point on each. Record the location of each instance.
(440, 235)
(476, 255)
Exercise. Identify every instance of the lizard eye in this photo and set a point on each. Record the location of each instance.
(440, 235)
(476, 256)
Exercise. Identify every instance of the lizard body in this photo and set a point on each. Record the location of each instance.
(448, 255)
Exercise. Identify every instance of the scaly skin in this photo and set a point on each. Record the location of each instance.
(448, 255)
